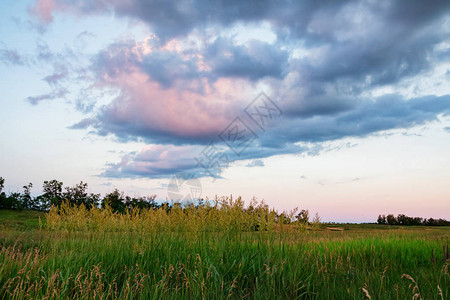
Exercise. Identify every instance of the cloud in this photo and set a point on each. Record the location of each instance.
(162, 101)
(162, 161)
(165, 67)
(11, 57)
(83, 124)
(54, 78)
(255, 163)
(44, 9)
(253, 61)
(289, 135)
(447, 129)
(369, 116)
(55, 94)
(335, 69)
(318, 21)
(155, 161)
(68, 74)
(172, 101)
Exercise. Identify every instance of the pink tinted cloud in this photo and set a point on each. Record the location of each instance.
(190, 108)
(43, 9)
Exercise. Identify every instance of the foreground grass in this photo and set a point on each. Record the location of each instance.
(324, 263)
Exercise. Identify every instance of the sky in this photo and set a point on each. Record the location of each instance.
(339, 107)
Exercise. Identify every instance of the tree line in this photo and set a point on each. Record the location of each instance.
(402, 219)
(54, 194)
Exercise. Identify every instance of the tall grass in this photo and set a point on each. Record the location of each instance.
(217, 251)
(224, 214)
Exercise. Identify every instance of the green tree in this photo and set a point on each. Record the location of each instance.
(26, 201)
(2, 194)
(115, 200)
(13, 201)
(145, 202)
(92, 200)
(52, 193)
(77, 194)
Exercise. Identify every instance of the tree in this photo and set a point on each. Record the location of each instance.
(2, 194)
(382, 220)
(391, 219)
(92, 200)
(77, 194)
(417, 221)
(403, 219)
(115, 200)
(52, 193)
(442, 222)
(431, 222)
(13, 201)
(146, 202)
(26, 201)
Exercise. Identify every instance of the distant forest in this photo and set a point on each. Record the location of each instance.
(410, 221)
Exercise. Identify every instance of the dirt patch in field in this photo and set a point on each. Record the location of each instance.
(334, 228)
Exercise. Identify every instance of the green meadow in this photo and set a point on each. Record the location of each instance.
(213, 253)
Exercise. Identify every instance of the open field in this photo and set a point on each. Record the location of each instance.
(42, 257)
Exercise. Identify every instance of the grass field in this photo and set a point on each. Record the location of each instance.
(55, 257)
